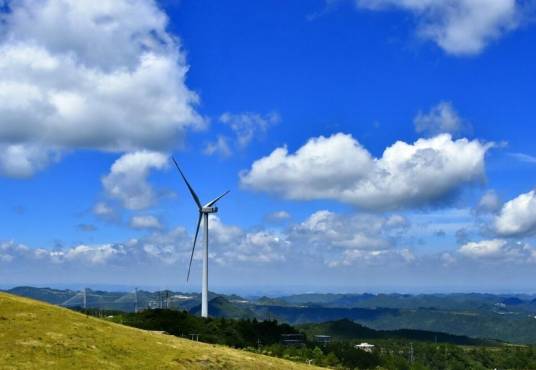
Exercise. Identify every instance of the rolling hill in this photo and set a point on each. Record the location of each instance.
(510, 318)
(221, 307)
(349, 330)
(36, 335)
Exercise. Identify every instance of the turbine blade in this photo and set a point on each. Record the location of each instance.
(212, 202)
(194, 195)
(193, 248)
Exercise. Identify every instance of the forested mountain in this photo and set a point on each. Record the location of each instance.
(509, 318)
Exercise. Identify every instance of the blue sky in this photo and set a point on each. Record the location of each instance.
(291, 106)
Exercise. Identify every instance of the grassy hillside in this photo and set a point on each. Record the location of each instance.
(35, 335)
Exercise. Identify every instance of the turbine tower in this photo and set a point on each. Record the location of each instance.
(204, 211)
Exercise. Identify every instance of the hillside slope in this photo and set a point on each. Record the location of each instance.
(349, 330)
(35, 335)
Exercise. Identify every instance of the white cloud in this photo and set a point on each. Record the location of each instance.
(145, 222)
(447, 259)
(95, 254)
(499, 250)
(278, 216)
(127, 180)
(323, 239)
(338, 167)
(160, 247)
(489, 203)
(440, 119)
(102, 209)
(377, 257)
(259, 247)
(23, 160)
(9, 251)
(518, 216)
(339, 237)
(397, 221)
(220, 146)
(485, 248)
(247, 125)
(169, 247)
(459, 27)
(522, 157)
(85, 74)
(230, 244)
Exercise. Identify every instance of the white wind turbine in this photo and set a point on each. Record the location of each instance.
(204, 211)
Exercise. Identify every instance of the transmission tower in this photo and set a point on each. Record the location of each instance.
(84, 298)
(136, 303)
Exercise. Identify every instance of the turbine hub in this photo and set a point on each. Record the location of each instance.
(209, 209)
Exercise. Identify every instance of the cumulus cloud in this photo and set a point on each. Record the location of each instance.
(499, 250)
(145, 222)
(234, 245)
(221, 147)
(324, 237)
(21, 160)
(447, 259)
(100, 75)
(440, 119)
(229, 245)
(161, 247)
(518, 216)
(339, 168)
(127, 180)
(459, 27)
(96, 254)
(278, 216)
(348, 239)
(245, 127)
(379, 257)
(489, 203)
(103, 210)
(330, 229)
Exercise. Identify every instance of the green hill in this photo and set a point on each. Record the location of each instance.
(36, 335)
(221, 307)
(349, 330)
(54, 296)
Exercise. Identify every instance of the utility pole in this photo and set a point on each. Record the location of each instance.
(84, 298)
(411, 358)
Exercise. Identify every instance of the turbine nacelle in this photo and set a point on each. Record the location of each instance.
(209, 209)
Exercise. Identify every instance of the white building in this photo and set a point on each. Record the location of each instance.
(367, 347)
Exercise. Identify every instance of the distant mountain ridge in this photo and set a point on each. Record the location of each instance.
(348, 330)
(509, 317)
(222, 307)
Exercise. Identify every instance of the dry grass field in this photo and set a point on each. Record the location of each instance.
(36, 335)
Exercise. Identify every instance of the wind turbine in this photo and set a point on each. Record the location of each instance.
(204, 211)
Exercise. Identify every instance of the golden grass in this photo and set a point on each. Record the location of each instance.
(36, 335)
